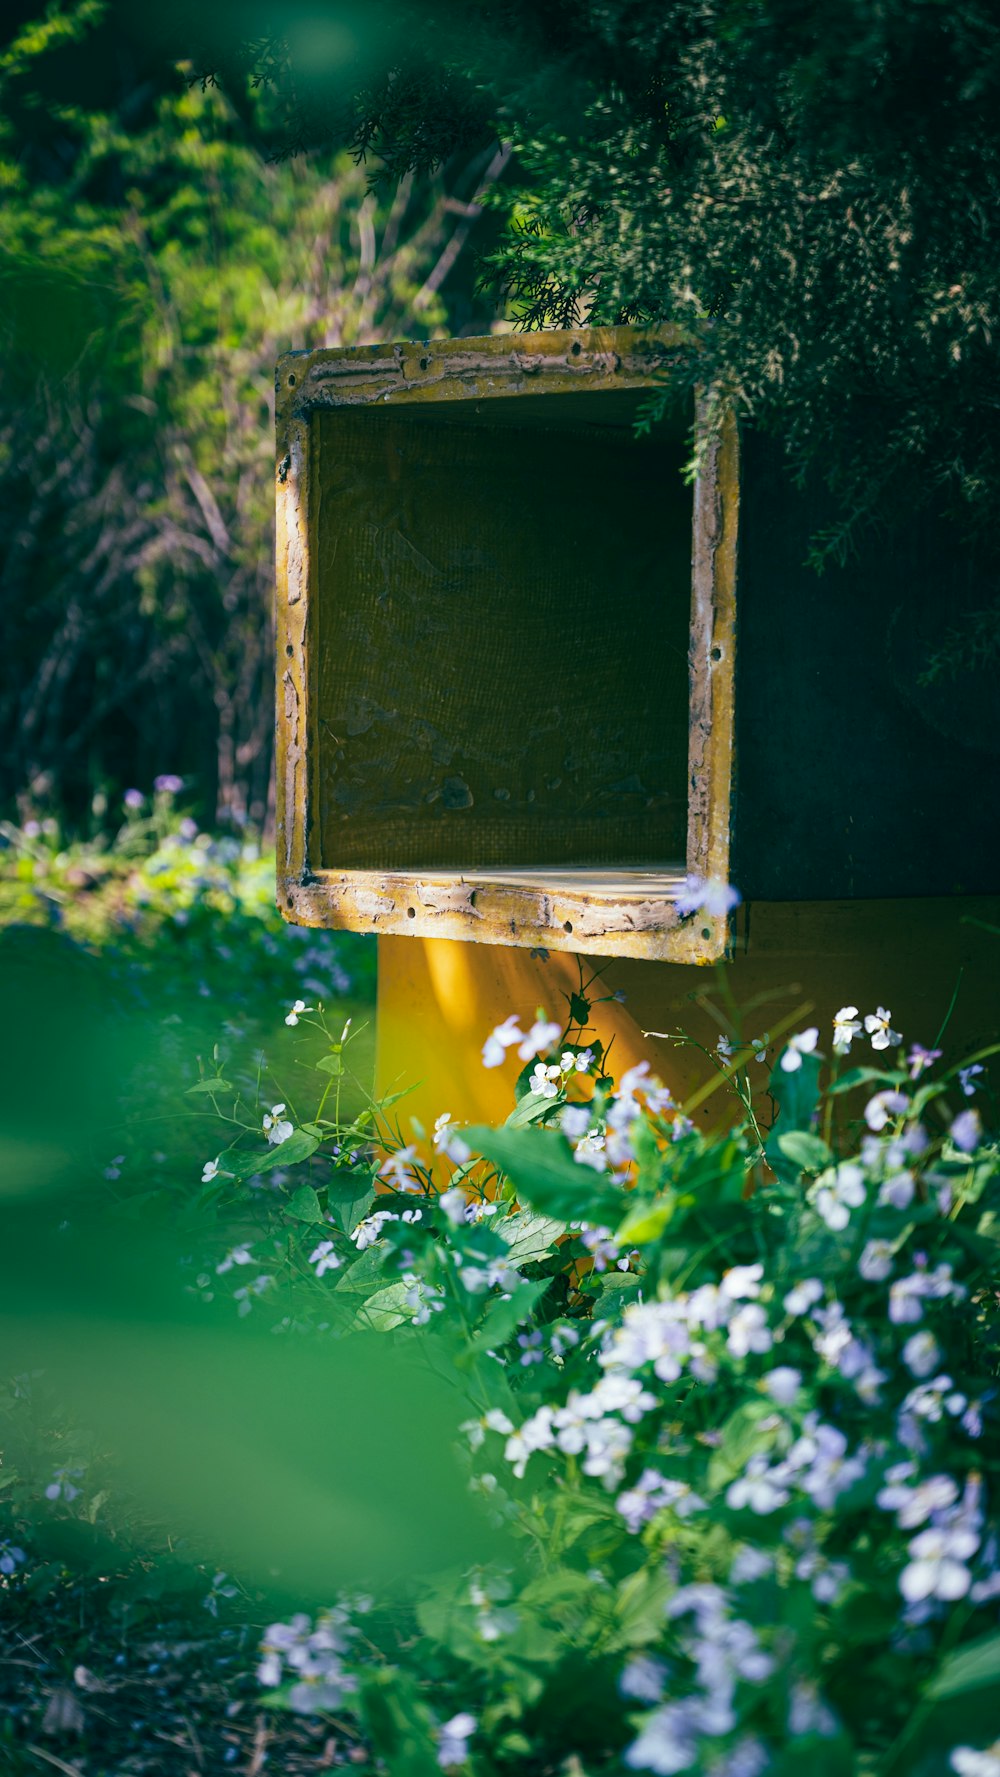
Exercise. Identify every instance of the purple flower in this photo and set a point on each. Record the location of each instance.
(701, 894)
(133, 800)
(168, 784)
(966, 1130)
(967, 1077)
(920, 1059)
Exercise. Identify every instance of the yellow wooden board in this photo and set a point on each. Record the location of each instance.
(438, 1001)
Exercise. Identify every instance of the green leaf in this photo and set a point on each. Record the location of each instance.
(386, 1309)
(807, 1151)
(331, 1064)
(531, 1107)
(797, 1092)
(864, 1076)
(214, 1087)
(243, 1163)
(398, 1723)
(742, 1437)
(304, 1205)
(505, 1314)
(540, 1166)
(529, 1236)
(646, 1221)
(969, 1668)
(640, 1602)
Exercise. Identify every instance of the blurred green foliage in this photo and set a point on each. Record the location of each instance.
(153, 264)
(126, 962)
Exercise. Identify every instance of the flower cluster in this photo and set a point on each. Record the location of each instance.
(735, 1391)
(312, 1656)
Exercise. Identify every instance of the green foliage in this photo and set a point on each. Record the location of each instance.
(812, 194)
(152, 267)
(734, 1468)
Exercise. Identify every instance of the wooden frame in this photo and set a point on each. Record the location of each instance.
(606, 912)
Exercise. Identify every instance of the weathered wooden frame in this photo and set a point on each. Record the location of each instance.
(602, 912)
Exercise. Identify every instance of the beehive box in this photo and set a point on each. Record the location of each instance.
(506, 644)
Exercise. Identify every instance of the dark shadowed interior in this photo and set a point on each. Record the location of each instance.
(501, 636)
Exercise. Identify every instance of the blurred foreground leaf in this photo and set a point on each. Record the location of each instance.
(307, 1463)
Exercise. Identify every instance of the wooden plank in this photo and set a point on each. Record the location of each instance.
(374, 835)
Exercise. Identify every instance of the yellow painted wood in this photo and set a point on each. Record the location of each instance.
(438, 1000)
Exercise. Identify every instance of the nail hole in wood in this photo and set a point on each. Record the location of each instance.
(568, 926)
(411, 913)
(716, 653)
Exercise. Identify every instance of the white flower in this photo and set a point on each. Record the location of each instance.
(447, 1140)
(422, 1298)
(544, 1080)
(803, 1296)
(237, 1255)
(835, 1337)
(505, 1036)
(210, 1170)
(802, 1043)
(325, 1258)
(827, 1470)
(741, 1282)
(846, 1026)
(297, 1010)
(453, 1205)
(967, 1762)
(937, 1565)
(760, 1487)
(591, 1151)
(932, 1400)
(905, 1300)
(749, 1331)
(276, 1125)
(709, 895)
(535, 1434)
(883, 1106)
(921, 1354)
(370, 1228)
(843, 1191)
(540, 1037)
(453, 1739)
(724, 1048)
(245, 1296)
(875, 1262)
(398, 1168)
(877, 1025)
(575, 1121)
(783, 1384)
(914, 1505)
